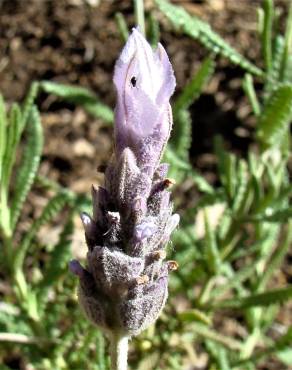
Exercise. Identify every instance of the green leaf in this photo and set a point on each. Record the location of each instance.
(227, 168)
(153, 30)
(240, 195)
(219, 354)
(273, 125)
(80, 96)
(29, 165)
(28, 104)
(13, 137)
(58, 262)
(273, 79)
(171, 157)
(281, 215)
(182, 135)
(3, 128)
(239, 277)
(287, 45)
(201, 183)
(200, 30)
(283, 343)
(276, 296)
(266, 36)
(276, 259)
(194, 315)
(122, 26)
(250, 92)
(139, 15)
(213, 335)
(211, 247)
(194, 88)
(285, 356)
(53, 207)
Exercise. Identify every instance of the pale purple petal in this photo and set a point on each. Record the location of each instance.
(144, 81)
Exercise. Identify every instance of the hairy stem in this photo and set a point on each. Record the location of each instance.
(119, 352)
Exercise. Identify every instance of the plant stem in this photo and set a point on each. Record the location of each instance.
(139, 15)
(119, 352)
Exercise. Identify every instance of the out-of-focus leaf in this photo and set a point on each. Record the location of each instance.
(194, 88)
(211, 247)
(80, 96)
(181, 139)
(58, 262)
(200, 30)
(275, 296)
(29, 165)
(273, 125)
(53, 207)
(194, 315)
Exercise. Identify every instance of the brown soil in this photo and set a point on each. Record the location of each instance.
(77, 42)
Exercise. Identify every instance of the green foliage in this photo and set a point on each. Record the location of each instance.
(273, 125)
(51, 210)
(263, 299)
(25, 320)
(200, 30)
(266, 34)
(180, 142)
(194, 88)
(232, 240)
(122, 26)
(29, 165)
(80, 96)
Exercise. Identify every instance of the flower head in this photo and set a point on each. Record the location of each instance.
(144, 81)
(124, 284)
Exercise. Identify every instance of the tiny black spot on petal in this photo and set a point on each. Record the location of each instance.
(133, 81)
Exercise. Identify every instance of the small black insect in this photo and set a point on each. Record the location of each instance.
(133, 81)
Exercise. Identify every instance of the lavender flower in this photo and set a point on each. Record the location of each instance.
(124, 285)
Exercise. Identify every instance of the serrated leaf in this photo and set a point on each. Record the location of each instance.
(53, 207)
(80, 96)
(200, 30)
(274, 122)
(29, 165)
(13, 137)
(194, 88)
(58, 262)
(273, 79)
(27, 106)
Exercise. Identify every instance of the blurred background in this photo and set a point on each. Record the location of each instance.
(76, 42)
